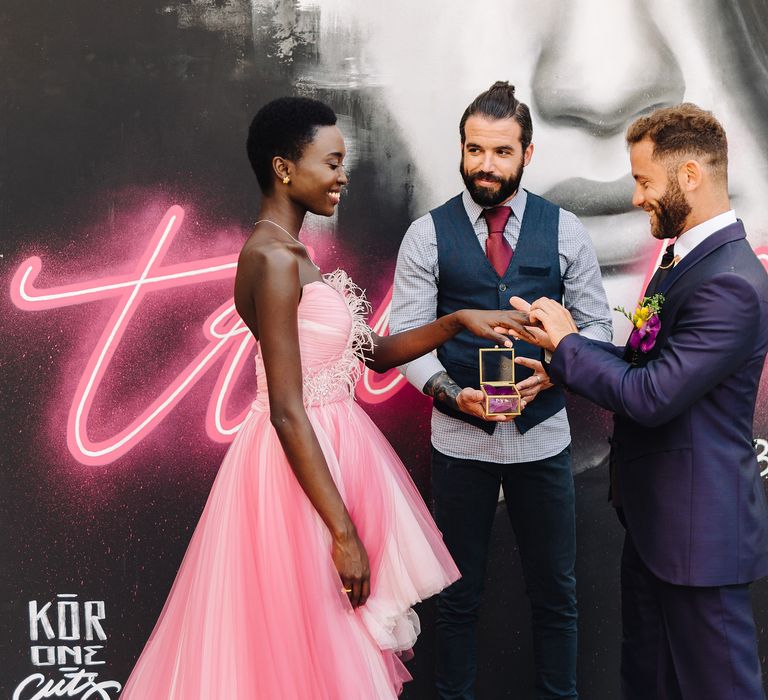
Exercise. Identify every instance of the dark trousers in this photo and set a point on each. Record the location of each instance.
(683, 642)
(540, 501)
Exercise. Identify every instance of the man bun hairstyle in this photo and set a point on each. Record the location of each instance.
(681, 132)
(284, 127)
(499, 102)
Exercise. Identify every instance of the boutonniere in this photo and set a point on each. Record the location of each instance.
(646, 322)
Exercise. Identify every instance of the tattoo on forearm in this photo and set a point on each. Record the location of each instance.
(441, 387)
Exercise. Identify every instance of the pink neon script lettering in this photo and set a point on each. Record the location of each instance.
(222, 329)
(226, 334)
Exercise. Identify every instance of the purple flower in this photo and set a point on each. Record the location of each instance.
(644, 338)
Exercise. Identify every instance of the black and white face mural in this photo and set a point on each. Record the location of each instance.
(125, 122)
(587, 69)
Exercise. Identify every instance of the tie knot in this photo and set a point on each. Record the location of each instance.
(496, 218)
(669, 256)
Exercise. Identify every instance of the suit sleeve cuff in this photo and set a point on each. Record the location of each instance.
(563, 352)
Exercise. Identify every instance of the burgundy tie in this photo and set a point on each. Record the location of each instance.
(497, 249)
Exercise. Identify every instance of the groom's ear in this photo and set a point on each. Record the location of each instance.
(690, 175)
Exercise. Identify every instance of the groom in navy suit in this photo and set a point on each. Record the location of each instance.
(684, 476)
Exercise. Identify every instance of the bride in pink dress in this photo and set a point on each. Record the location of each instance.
(314, 544)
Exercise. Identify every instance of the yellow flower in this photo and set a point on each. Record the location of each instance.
(641, 315)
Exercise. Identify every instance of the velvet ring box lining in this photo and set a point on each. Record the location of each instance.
(497, 381)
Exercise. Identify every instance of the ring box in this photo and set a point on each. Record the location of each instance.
(497, 382)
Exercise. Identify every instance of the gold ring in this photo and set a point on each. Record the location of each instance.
(346, 590)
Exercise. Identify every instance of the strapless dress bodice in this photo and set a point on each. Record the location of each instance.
(333, 335)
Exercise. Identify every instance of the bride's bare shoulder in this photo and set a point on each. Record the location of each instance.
(266, 255)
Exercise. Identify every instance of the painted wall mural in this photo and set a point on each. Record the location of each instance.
(125, 195)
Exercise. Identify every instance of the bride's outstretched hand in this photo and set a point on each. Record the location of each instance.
(496, 325)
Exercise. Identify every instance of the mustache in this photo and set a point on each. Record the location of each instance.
(482, 175)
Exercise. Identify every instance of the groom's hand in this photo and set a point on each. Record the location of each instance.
(536, 335)
(555, 318)
(472, 401)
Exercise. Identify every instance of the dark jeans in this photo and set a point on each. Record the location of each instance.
(540, 501)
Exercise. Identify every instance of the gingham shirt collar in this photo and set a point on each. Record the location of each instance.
(475, 211)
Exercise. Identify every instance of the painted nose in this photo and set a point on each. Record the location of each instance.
(602, 65)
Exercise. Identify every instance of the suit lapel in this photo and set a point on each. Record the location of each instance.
(732, 232)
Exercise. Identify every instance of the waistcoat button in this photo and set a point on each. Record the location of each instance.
(502, 287)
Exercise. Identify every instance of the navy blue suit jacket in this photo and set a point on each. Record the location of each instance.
(688, 477)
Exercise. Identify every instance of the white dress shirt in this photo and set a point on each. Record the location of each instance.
(687, 241)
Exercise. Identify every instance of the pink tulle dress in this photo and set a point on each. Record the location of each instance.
(257, 609)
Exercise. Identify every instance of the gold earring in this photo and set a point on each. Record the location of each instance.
(286, 179)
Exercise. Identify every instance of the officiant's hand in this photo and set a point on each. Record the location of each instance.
(472, 401)
(539, 381)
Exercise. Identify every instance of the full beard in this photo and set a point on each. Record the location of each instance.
(485, 196)
(671, 211)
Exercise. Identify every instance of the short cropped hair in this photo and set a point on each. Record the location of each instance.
(499, 102)
(284, 127)
(683, 131)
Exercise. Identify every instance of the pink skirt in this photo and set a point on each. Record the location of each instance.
(257, 610)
